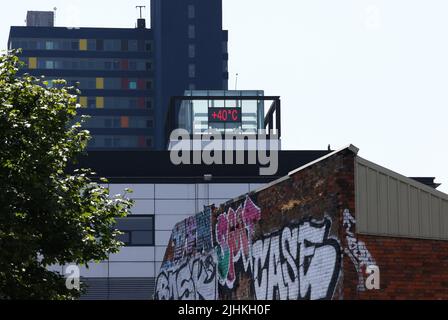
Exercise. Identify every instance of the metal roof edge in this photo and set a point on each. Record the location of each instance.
(403, 178)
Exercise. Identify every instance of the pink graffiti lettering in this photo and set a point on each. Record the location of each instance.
(234, 232)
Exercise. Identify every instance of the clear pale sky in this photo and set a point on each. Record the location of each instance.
(368, 72)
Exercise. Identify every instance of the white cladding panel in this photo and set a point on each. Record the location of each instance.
(133, 254)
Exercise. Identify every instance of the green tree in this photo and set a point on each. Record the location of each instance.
(48, 213)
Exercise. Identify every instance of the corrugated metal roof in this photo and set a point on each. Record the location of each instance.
(390, 204)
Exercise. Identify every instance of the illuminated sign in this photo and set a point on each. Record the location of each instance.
(224, 115)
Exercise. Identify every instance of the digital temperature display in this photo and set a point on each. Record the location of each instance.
(224, 115)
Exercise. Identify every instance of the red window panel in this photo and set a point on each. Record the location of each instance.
(141, 84)
(141, 141)
(124, 83)
(141, 102)
(124, 64)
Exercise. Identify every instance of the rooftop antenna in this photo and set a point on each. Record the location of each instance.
(236, 81)
(140, 8)
(141, 22)
(55, 9)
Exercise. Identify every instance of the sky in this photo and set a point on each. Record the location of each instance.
(370, 73)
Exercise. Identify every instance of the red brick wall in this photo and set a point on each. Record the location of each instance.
(409, 269)
(244, 259)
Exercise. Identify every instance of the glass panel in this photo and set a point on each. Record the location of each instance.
(192, 70)
(191, 51)
(252, 111)
(191, 32)
(148, 45)
(107, 142)
(125, 238)
(112, 45)
(49, 64)
(91, 44)
(49, 45)
(191, 11)
(135, 223)
(132, 45)
(200, 115)
(102, 141)
(75, 45)
(132, 85)
(142, 238)
(133, 103)
(124, 45)
(99, 45)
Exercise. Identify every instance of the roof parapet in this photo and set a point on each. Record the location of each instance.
(350, 147)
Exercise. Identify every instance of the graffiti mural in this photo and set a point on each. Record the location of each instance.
(204, 240)
(356, 250)
(234, 231)
(192, 235)
(194, 279)
(179, 237)
(299, 261)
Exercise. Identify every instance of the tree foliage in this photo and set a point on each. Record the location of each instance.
(48, 215)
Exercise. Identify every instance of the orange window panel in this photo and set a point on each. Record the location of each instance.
(124, 122)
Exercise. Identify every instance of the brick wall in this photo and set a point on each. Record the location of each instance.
(297, 240)
(409, 269)
(250, 248)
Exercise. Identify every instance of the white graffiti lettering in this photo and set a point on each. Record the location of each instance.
(193, 280)
(303, 263)
(357, 250)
